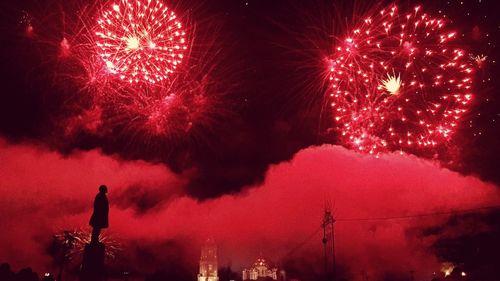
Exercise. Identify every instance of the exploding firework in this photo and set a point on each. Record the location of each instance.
(398, 83)
(163, 113)
(73, 242)
(140, 40)
(142, 74)
(132, 71)
(26, 22)
(478, 59)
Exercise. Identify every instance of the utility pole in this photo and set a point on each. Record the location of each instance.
(329, 243)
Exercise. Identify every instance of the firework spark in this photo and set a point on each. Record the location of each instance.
(75, 240)
(418, 106)
(26, 22)
(140, 40)
(479, 59)
(392, 84)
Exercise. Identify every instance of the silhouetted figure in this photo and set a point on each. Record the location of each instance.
(99, 218)
(93, 255)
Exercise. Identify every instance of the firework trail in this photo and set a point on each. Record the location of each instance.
(398, 82)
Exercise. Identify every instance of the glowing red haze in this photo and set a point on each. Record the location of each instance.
(44, 192)
(398, 83)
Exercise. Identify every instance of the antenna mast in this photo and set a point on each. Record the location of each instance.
(329, 243)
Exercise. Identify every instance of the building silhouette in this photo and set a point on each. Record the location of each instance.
(208, 262)
(261, 270)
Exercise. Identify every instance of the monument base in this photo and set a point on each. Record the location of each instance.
(93, 262)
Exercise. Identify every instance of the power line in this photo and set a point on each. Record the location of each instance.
(451, 212)
(464, 211)
(305, 241)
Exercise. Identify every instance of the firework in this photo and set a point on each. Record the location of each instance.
(169, 113)
(398, 81)
(74, 242)
(478, 59)
(26, 22)
(130, 69)
(140, 40)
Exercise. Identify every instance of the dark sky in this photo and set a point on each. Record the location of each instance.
(274, 100)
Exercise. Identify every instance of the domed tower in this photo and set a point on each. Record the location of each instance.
(260, 270)
(208, 262)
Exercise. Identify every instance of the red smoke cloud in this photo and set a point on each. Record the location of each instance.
(43, 191)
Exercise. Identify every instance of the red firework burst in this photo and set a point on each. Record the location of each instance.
(135, 94)
(75, 241)
(140, 40)
(165, 113)
(397, 82)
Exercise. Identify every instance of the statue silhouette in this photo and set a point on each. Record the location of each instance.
(99, 218)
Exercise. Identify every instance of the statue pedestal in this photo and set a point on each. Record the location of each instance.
(93, 262)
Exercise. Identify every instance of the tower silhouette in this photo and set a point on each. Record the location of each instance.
(329, 243)
(208, 262)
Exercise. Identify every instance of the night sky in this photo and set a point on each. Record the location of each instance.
(267, 110)
(273, 108)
